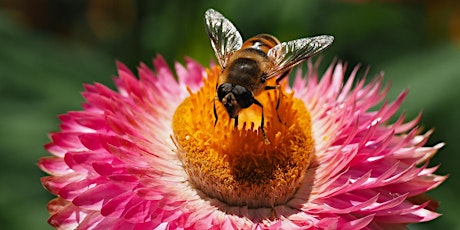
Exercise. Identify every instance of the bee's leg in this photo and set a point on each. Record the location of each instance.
(236, 121)
(278, 105)
(271, 87)
(215, 113)
(278, 102)
(282, 76)
(262, 122)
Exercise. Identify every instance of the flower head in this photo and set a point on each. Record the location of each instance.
(152, 156)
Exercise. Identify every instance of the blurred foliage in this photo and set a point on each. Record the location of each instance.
(49, 48)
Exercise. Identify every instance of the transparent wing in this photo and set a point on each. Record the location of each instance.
(288, 54)
(225, 38)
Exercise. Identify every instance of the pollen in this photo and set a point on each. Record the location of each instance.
(234, 164)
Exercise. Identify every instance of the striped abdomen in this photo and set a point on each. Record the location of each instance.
(263, 42)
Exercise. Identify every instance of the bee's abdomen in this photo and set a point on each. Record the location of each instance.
(263, 42)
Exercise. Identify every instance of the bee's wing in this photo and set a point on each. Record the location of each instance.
(225, 38)
(288, 54)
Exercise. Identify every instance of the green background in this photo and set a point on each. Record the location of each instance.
(49, 48)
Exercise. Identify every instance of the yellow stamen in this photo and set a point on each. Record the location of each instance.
(234, 165)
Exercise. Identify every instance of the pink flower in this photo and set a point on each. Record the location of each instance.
(148, 156)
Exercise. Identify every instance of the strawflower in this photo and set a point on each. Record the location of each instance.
(150, 156)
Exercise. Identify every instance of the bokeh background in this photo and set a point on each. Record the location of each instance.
(49, 48)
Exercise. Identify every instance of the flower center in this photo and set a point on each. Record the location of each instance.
(233, 164)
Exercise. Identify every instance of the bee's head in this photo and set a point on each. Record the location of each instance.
(234, 97)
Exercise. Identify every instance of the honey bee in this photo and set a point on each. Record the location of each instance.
(246, 67)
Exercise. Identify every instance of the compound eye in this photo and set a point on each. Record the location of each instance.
(223, 90)
(243, 96)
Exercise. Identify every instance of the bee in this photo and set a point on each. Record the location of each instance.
(246, 67)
